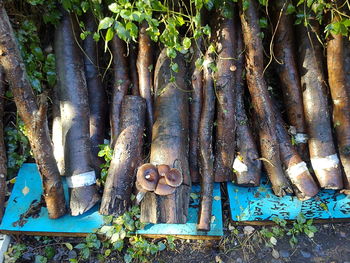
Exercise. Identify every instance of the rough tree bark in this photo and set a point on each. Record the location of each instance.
(169, 142)
(261, 99)
(96, 91)
(132, 59)
(74, 117)
(323, 155)
(33, 116)
(195, 112)
(126, 157)
(226, 122)
(3, 159)
(341, 99)
(145, 68)
(247, 167)
(206, 156)
(121, 85)
(284, 50)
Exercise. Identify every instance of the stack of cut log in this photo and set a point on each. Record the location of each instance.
(201, 124)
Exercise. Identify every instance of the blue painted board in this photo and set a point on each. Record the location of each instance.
(28, 178)
(259, 204)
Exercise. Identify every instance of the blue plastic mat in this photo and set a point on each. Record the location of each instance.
(260, 204)
(28, 188)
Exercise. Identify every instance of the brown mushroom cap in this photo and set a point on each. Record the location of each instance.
(162, 187)
(147, 177)
(174, 177)
(163, 169)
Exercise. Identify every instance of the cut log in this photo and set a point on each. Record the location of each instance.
(121, 85)
(247, 166)
(145, 68)
(224, 86)
(261, 99)
(74, 117)
(284, 50)
(132, 58)
(33, 116)
(169, 142)
(341, 99)
(206, 156)
(195, 112)
(346, 61)
(324, 159)
(127, 157)
(96, 92)
(3, 159)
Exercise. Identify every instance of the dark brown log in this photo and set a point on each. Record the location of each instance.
(96, 92)
(247, 166)
(346, 59)
(33, 116)
(74, 116)
(145, 68)
(132, 58)
(261, 99)
(195, 112)
(341, 99)
(3, 159)
(288, 73)
(121, 85)
(323, 156)
(296, 170)
(169, 142)
(57, 138)
(206, 156)
(127, 157)
(226, 122)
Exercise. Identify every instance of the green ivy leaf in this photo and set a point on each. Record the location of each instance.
(105, 23)
(186, 42)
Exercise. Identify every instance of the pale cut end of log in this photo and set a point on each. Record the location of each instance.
(247, 172)
(82, 199)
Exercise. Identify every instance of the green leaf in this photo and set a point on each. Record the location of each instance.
(40, 259)
(96, 36)
(175, 67)
(105, 23)
(114, 8)
(245, 5)
(85, 253)
(263, 22)
(207, 30)
(133, 29)
(127, 258)
(69, 246)
(290, 9)
(109, 34)
(80, 246)
(186, 42)
(171, 53)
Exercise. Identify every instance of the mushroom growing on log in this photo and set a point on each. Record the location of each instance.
(169, 142)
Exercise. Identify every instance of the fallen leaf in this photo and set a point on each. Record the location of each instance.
(25, 190)
(217, 198)
(275, 254)
(248, 230)
(273, 241)
(218, 259)
(13, 180)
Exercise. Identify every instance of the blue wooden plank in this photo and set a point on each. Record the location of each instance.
(259, 203)
(29, 178)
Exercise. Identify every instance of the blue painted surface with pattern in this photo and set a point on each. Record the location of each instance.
(88, 222)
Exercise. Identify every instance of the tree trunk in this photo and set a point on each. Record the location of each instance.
(323, 155)
(127, 157)
(341, 99)
(3, 159)
(225, 82)
(206, 156)
(247, 167)
(57, 138)
(132, 58)
(195, 113)
(96, 92)
(121, 85)
(74, 117)
(33, 116)
(169, 142)
(145, 68)
(261, 99)
(288, 73)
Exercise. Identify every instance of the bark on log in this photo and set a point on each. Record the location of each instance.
(346, 61)
(195, 113)
(145, 68)
(57, 138)
(132, 58)
(323, 155)
(127, 157)
(261, 99)
(3, 159)
(96, 92)
(288, 73)
(206, 156)
(226, 122)
(169, 142)
(341, 99)
(121, 85)
(33, 116)
(74, 116)
(247, 167)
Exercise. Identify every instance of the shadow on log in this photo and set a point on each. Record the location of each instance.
(169, 142)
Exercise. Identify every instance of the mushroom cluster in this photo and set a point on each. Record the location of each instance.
(160, 179)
